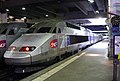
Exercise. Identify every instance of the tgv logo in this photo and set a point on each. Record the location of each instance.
(54, 43)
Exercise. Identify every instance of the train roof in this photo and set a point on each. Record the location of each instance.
(49, 23)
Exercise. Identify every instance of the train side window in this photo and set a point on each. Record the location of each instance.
(59, 31)
(22, 30)
(72, 26)
(31, 30)
(77, 39)
(11, 32)
(54, 31)
(44, 30)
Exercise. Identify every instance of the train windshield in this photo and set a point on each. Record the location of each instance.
(4, 32)
(44, 30)
(31, 30)
(3, 26)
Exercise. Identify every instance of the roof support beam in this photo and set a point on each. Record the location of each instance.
(92, 7)
(79, 15)
(12, 3)
(81, 8)
(24, 13)
(48, 11)
(101, 4)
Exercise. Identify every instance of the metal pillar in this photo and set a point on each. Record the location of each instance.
(115, 61)
(119, 72)
(3, 18)
(110, 49)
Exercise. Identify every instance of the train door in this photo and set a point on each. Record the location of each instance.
(62, 42)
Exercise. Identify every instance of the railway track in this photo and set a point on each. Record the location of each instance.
(5, 72)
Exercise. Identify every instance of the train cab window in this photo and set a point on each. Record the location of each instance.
(29, 24)
(54, 31)
(72, 26)
(31, 30)
(11, 32)
(4, 32)
(22, 30)
(44, 30)
(59, 31)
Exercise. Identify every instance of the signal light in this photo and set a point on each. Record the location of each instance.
(27, 48)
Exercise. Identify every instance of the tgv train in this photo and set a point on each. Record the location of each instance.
(9, 32)
(47, 41)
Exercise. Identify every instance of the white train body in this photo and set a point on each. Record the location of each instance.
(34, 48)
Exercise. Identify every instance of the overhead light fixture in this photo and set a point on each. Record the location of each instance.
(23, 8)
(91, 1)
(24, 17)
(97, 11)
(7, 10)
(11, 17)
(46, 15)
(17, 19)
(97, 21)
(104, 31)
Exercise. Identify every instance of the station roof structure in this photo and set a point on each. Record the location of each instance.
(75, 11)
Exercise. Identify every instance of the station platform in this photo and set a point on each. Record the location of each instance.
(91, 64)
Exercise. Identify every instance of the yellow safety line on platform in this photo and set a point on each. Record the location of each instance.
(56, 69)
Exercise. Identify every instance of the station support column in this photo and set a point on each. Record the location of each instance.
(3, 17)
(110, 47)
(119, 70)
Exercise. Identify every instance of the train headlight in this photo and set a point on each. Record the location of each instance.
(12, 48)
(27, 48)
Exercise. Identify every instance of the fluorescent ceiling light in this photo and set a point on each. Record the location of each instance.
(7, 10)
(24, 17)
(91, 1)
(97, 11)
(97, 21)
(17, 19)
(11, 17)
(23, 8)
(46, 15)
(99, 31)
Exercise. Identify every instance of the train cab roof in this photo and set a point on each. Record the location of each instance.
(49, 26)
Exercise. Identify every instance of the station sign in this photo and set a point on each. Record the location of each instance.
(115, 7)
